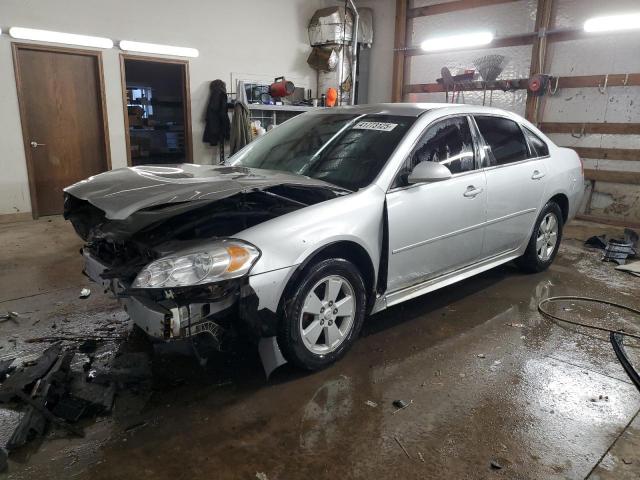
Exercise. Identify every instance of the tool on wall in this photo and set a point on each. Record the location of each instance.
(538, 84)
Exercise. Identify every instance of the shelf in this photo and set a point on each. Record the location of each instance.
(282, 108)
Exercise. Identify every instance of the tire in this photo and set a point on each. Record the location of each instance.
(307, 309)
(541, 250)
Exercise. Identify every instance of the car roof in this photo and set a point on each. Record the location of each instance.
(412, 109)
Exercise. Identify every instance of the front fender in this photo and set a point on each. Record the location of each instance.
(289, 240)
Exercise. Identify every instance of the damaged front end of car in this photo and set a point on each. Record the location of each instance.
(173, 261)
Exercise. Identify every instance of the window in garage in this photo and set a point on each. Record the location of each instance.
(157, 116)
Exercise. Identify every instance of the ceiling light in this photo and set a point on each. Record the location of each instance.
(59, 37)
(612, 23)
(157, 48)
(453, 42)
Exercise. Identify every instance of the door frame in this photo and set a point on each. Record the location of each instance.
(186, 91)
(97, 54)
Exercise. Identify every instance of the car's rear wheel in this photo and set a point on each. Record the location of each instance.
(545, 240)
(323, 314)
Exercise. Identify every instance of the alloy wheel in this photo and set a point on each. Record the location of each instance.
(327, 314)
(547, 237)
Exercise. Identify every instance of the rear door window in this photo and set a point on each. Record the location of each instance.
(538, 146)
(504, 138)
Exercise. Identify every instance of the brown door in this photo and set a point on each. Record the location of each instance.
(62, 112)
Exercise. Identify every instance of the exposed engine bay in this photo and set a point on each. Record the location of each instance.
(117, 249)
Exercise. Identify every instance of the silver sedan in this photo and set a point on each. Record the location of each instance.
(332, 216)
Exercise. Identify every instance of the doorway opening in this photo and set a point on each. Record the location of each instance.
(157, 110)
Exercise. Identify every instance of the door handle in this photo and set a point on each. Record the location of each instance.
(472, 191)
(36, 144)
(537, 175)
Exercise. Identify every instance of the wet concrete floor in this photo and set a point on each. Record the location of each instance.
(489, 379)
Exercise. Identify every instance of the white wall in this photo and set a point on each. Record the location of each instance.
(599, 55)
(252, 37)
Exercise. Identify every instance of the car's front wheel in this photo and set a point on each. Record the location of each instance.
(545, 240)
(323, 314)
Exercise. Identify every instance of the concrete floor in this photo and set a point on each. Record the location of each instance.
(490, 380)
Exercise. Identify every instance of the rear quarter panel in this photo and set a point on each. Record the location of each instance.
(565, 176)
(564, 171)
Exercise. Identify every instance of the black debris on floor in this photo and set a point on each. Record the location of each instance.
(67, 384)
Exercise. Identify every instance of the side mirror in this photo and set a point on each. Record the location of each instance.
(428, 172)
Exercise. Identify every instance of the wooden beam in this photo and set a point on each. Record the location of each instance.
(628, 154)
(615, 80)
(538, 55)
(589, 128)
(616, 222)
(515, 84)
(511, 41)
(400, 42)
(452, 7)
(610, 176)
(516, 40)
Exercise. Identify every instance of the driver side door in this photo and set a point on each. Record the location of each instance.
(437, 227)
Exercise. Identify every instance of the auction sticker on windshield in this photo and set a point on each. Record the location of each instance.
(380, 126)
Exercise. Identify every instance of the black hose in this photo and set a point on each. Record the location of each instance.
(618, 347)
(586, 325)
(615, 337)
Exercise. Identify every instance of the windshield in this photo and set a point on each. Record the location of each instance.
(345, 149)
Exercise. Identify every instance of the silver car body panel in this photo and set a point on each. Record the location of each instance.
(123, 191)
(436, 235)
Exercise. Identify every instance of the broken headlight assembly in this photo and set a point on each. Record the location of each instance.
(224, 260)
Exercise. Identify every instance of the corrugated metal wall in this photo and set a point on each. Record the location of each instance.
(609, 53)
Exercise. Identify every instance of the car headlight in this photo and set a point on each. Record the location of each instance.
(224, 260)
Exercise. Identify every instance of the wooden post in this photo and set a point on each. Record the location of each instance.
(399, 54)
(538, 54)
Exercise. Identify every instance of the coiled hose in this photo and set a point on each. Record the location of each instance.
(615, 336)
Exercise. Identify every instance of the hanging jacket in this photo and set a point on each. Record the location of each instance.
(216, 128)
(240, 127)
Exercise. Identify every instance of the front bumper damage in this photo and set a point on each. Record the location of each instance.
(245, 306)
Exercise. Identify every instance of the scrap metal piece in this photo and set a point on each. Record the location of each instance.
(6, 368)
(32, 425)
(270, 355)
(47, 415)
(13, 316)
(632, 268)
(597, 241)
(29, 375)
(617, 339)
(617, 251)
(70, 409)
(124, 369)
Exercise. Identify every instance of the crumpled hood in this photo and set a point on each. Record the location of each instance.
(123, 191)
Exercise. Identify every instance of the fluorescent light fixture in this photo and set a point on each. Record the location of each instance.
(60, 37)
(611, 23)
(452, 42)
(130, 46)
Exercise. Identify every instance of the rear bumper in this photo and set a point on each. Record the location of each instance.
(254, 302)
